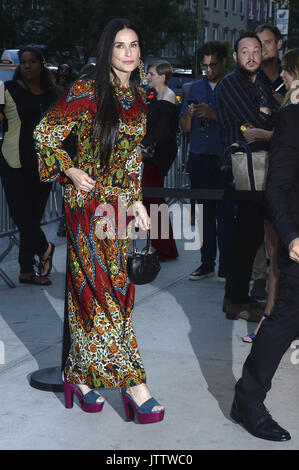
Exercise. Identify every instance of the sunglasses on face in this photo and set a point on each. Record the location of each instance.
(212, 65)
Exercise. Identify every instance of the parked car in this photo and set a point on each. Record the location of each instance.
(6, 71)
(11, 56)
(8, 64)
(179, 77)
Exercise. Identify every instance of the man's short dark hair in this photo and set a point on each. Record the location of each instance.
(216, 48)
(274, 30)
(245, 35)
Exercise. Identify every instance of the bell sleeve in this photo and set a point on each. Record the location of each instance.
(54, 128)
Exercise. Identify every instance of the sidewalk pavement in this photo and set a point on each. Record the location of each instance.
(192, 354)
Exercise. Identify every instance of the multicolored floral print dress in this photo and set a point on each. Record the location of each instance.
(100, 296)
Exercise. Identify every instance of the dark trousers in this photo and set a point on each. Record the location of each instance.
(273, 339)
(218, 216)
(247, 236)
(27, 198)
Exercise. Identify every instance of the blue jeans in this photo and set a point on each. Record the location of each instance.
(218, 216)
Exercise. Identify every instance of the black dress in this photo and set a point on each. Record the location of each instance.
(162, 125)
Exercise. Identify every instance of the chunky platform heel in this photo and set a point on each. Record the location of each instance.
(88, 401)
(144, 412)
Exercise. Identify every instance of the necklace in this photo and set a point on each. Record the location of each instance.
(125, 97)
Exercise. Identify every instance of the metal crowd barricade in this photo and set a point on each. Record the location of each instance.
(9, 231)
(178, 176)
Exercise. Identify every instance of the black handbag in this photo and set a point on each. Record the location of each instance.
(143, 266)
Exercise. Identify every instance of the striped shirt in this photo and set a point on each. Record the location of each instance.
(239, 101)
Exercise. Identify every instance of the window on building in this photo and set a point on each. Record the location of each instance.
(225, 35)
(215, 33)
(258, 14)
(226, 5)
(242, 7)
(266, 10)
(271, 9)
(250, 9)
(206, 3)
(205, 33)
(234, 7)
(233, 38)
(169, 50)
(216, 4)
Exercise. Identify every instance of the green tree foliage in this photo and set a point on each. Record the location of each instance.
(159, 22)
(230, 64)
(70, 29)
(67, 29)
(13, 17)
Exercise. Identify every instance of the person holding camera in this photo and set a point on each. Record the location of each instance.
(199, 118)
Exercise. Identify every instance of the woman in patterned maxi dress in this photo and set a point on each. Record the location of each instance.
(100, 296)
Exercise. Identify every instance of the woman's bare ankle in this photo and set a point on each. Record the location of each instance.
(140, 394)
(47, 252)
(86, 389)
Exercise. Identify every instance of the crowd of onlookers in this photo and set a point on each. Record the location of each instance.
(252, 109)
(218, 111)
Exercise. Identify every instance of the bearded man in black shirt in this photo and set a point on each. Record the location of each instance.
(243, 98)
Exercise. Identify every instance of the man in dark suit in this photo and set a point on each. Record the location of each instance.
(282, 326)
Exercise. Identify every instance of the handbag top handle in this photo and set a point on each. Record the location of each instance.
(147, 248)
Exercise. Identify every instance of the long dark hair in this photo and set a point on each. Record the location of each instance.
(107, 117)
(46, 79)
(290, 63)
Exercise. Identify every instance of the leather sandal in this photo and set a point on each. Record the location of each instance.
(35, 279)
(251, 338)
(43, 262)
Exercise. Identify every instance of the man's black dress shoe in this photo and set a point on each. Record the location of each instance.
(260, 424)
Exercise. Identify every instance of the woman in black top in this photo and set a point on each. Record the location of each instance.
(27, 97)
(162, 125)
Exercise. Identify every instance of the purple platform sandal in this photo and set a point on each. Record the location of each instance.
(144, 412)
(88, 401)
